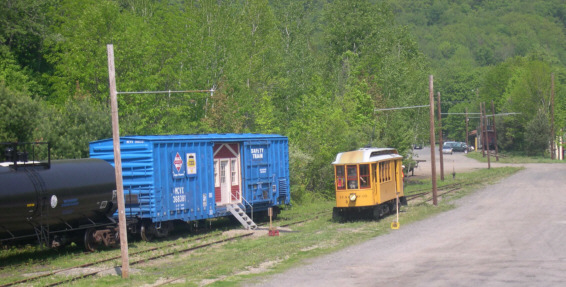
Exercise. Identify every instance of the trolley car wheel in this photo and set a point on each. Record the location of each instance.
(337, 215)
(90, 242)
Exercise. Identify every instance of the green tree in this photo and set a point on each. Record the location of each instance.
(70, 129)
(18, 118)
(537, 134)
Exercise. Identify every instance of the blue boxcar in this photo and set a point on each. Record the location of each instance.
(193, 177)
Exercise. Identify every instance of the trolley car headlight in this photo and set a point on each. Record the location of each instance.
(353, 197)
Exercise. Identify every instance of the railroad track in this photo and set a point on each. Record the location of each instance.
(145, 259)
(97, 262)
(159, 256)
(442, 191)
(172, 280)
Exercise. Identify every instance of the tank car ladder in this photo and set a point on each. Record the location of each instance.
(239, 212)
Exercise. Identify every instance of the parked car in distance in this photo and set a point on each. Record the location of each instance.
(457, 146)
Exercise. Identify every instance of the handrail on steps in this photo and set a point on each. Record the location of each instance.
(247, 202)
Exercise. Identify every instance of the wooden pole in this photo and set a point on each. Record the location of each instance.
(440, 139)
(432, 140)
(494, 133)
(552, 136)
(486, 135)
(467, 127)
(480, 132)
(118, 164)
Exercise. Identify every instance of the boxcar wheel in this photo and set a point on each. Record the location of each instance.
(90, 242)
(146, 233)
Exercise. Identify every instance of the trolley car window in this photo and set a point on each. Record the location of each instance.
(364, 176)
(374, 172)
(340, 180)
(384, 172)
(352, 173)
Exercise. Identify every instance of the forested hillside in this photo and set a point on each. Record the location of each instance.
(313, 70)
(500, 51)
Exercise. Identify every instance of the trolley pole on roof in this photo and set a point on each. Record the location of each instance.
(118, 163)
(432, 157)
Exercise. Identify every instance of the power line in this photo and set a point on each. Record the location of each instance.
(460, 113)
(497, 115)
(400, 108)
(166, 92)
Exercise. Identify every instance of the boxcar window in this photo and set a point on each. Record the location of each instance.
(340, 180)
(352, 176)
(364, 176)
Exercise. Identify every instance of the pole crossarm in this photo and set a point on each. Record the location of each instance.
(400, 108)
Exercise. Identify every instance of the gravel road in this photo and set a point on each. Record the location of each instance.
(512, 233)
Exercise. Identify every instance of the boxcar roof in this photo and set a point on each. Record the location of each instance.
(365, 155)
(198, 137)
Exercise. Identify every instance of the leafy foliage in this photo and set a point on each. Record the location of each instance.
(317, 71)
(18, 119)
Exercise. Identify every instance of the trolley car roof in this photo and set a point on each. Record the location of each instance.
(365, 155)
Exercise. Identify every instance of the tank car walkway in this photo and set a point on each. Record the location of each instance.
(509, 234)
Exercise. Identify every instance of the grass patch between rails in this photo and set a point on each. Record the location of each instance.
(251, 258)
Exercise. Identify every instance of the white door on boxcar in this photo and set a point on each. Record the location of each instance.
(227, 173)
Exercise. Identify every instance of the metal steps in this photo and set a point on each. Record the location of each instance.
(240, 213)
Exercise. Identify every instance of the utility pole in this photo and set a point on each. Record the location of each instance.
(118, 164)
(467, 127)
(484, 118)
(480, 133)
(552, 137)
(440, 140)
(432, 140)
(494, 133)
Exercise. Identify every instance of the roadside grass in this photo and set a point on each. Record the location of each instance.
(250, 259)
(513, 157)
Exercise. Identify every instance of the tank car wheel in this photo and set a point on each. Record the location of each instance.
(146, 233)
(90, 242)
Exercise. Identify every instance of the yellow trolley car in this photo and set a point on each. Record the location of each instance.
(368, 182)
